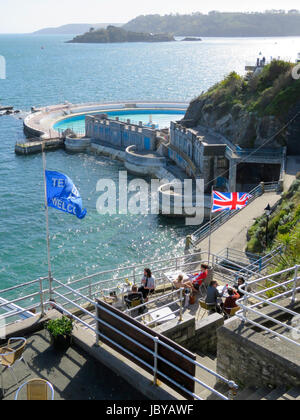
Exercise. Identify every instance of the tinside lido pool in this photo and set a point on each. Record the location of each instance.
(161, 118)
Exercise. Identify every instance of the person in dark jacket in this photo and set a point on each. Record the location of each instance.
(213, 296)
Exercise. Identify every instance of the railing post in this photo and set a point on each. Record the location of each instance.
(90, 289)
(295, 284)
(155, 381)
(98, 342)
(181, 305)
(42, 297)
(232, 391)
(260, 264)
(134, 276)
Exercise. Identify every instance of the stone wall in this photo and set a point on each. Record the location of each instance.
(194, 335)
(253, 359)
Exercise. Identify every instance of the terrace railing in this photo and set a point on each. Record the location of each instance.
(269, 292)
(204, 231)
(131, 355)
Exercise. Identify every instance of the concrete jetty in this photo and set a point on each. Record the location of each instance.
(33, 147)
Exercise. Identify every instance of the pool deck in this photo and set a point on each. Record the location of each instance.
(40, 123)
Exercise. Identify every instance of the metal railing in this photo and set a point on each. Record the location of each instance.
(99, 335)
(34, 296)
(271, 297)
(223, 217)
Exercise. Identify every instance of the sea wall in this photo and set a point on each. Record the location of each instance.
(77, 145)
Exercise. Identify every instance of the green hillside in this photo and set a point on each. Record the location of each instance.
(218, 24)
(284, 229)
(273, 92)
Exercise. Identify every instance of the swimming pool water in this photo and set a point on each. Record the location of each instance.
(160, 118)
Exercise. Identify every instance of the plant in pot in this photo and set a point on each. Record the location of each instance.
(60, 331)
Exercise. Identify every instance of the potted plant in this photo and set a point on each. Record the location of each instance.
(60, 331)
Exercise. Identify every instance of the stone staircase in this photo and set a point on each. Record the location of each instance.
(281, 393)
(267, 394)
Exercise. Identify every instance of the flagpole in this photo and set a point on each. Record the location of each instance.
(210, 224)
(47, 225)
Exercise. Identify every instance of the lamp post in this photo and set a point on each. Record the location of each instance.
(268, 214)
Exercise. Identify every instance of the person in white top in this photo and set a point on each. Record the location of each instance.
(148, 284)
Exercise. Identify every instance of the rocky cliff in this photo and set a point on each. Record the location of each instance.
(251, 112)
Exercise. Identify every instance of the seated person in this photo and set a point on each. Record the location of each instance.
(135, 298)
(135, 294)
(241, 282)
(148, 284)
(213, 296)
(230, 302)
(178, 283)
(196, 281)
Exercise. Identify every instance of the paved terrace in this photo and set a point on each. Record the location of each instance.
(74, 374)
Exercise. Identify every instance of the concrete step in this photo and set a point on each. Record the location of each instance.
(259, 394)
(244, 394)
(292, 395)
(275, 394)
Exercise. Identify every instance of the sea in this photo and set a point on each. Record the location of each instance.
(44, 70)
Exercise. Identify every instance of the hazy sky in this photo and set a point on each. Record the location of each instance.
(19, 16)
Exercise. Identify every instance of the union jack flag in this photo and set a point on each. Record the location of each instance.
(229, 201)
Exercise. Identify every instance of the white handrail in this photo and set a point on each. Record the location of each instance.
(229, 383)
(247, 307)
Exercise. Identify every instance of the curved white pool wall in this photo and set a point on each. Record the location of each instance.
(144, 165)
(42, 122)
(77, 145)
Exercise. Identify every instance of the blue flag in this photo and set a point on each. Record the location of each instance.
(63, 195)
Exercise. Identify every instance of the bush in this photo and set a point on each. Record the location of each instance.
(60, 327)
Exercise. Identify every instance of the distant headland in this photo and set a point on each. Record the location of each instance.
(113, 35)
(219, 24)
(73, 28)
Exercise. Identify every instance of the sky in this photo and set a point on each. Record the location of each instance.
(21, 16)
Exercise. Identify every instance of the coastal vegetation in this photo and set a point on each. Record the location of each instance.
(272, 92)
(113, 35)
(270, 23)
(248, 110)
(283, 230)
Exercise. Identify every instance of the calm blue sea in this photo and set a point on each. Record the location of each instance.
(58, 72)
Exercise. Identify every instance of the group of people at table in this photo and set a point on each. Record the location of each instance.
(214, 297)
(192, 285)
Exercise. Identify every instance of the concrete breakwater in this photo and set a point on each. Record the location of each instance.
(33, 147)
